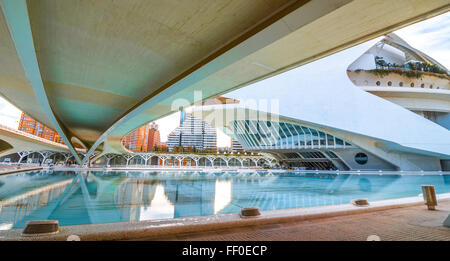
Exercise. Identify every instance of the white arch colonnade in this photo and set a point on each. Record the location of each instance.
(181, 160)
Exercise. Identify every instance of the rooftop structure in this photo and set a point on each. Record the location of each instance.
(399, 73)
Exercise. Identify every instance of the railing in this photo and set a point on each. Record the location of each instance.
(175, 167)
(28, 135)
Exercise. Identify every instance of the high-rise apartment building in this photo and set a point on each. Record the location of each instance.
(153, 137)
(31, 126)
(194, 133)
(235, 145)
(143, 139)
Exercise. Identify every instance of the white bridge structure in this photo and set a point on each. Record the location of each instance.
(151, 159)
(185, 160)
(14, 144)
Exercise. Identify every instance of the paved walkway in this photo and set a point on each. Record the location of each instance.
(404, 224)
(8, 169)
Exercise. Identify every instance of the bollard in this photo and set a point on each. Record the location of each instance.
(41, 227)
(360, 202)
(250, 212)
(429, 196)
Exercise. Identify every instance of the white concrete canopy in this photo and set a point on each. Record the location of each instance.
(104, 68)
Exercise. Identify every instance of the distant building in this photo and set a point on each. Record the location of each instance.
(31, 126)
(194, 133)
(153, 137)
(235, 145)
(143, 139)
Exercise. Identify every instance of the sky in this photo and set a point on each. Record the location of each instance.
(431, 36)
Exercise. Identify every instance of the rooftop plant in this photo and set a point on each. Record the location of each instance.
(406, 73)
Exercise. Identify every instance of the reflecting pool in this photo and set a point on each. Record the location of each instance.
(76, 198)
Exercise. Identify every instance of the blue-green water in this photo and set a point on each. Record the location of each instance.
(102, 197)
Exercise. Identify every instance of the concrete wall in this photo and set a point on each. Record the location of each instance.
(373, 163)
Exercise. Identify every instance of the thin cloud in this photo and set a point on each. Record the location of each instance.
(431, 36)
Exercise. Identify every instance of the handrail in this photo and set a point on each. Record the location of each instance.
(22, 133)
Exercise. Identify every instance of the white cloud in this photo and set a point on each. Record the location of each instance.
(9, 114)
(431, 36)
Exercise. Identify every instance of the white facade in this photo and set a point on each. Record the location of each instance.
(322, 97)
(192, 132)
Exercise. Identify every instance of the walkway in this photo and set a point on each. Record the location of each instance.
(9, 169)
(404, 224)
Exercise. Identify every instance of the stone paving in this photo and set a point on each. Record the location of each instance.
(403, 224)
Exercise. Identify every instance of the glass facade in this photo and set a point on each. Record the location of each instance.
(259, 135)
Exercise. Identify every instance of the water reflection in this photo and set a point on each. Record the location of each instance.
(102, 197)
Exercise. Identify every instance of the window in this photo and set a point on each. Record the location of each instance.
(431, 86)
(422, 85)
(437, 87)
(378, 83)
(412, 84)
(389, 83)
(401, 84)
(361, 158)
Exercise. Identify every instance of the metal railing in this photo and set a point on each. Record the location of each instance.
(28, 135)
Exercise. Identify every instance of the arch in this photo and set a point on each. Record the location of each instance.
(400, 84)
(204, 162)
(233, 161)
(24, 45)
(77, 143)
(153, 160)
(220, 162)
(193, 160)
(389, 83)
(118, 160)
(136, 160)
(34, 157)
(11, 157)
(263, 162)
(412, 84)
(5, 146)
(378, 83)
(248, 163)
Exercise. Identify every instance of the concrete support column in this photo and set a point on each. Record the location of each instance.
(23, 154)
(128, 157)
(108, 158)
(211, 159)
(146, 157)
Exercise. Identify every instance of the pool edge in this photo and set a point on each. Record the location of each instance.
(152, 229)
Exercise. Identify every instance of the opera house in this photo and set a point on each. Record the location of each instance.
(395, 116)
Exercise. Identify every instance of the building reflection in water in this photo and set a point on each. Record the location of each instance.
(103, 197)
(223, 195)
(160, 207)
(16, 208)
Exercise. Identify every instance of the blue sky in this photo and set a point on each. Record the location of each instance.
(431, 36)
